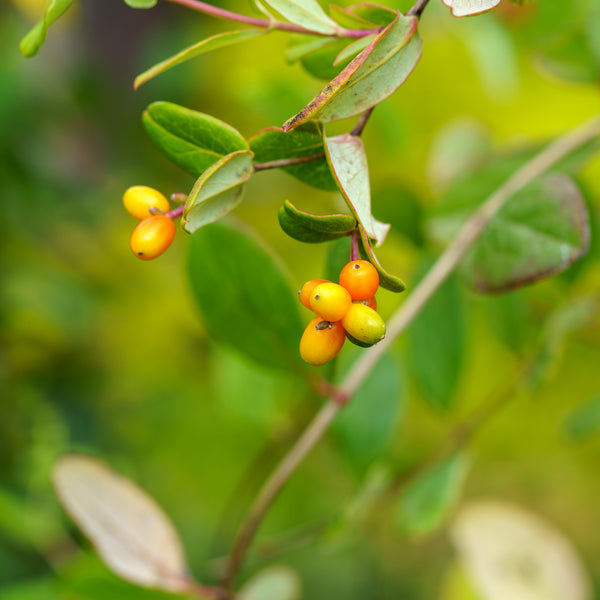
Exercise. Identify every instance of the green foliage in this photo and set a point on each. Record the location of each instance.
(245, 300)
(584, 421)
(306, 13)
(141, 3)
(217, 191)
(192, 140)
(308, 228)
(34, 40)
(307, 140)
(273, 583)
(430, 498)
(386, 280)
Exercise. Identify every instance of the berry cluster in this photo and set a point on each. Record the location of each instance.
(344, 310)
(156, 230)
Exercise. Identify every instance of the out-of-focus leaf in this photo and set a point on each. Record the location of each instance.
(321, 64)
(307, 140)
(367, 425)
(456, 585)
(31, 590)
(352, 49)
(539, 232)
(245, 299)
(402, 209)
(273, 583)
(304, 45)
(373, 13)
(212, 43)
(463, 8)
(194, 141)
(348, 164)
(337, 255)
(390, 282)
(306, 13)
(584, 421)
(437, 341)
(131, 533)
(347, 17)
(217, 191)
(141, 3)
(510, 553)
(371, 77)
(36, 37)
(309, 228)
(428, 501)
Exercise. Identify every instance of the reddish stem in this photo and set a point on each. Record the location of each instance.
(221, 13)
(176, 212)
(355, 252)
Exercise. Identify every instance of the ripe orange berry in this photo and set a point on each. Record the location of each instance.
(363, 324)
(360, 278)
(139, 198)
(330, 301)
(152, 237)
(306, 289)
(371, 302)
(321, 341)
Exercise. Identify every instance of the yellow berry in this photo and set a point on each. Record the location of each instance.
(152, 237)
(330, 301)
(139, 198)
(363, 324)
(321, 341)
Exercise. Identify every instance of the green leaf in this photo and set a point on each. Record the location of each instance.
(376, 14)
(192, 140)
(386, 280)
(437, 341)
(307, 140)
(399, 207)
(368, 424)
(539, 232)
(464, 8)
(430, 498)
(371, 77)
(217, 191)
(347, 17)
(306, 13)
(141, 3)
(34, 40)
(321, 64)
(273, 583)
(352, 49)
(584, 421)
(348, 164)
(212, 43)
(303, 45)
(245, 298)
(337, 255)
(309, 228)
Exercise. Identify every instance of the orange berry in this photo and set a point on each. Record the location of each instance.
(330, 301)
(152, 237)
(139, 198)
(360, 278)
(321, 341)
(363, 324)
(306, 289)
(371, 302)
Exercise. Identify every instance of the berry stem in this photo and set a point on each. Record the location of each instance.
(355, 252)
(288, 162)
(176, 212)
(221, 13)
(399, 321)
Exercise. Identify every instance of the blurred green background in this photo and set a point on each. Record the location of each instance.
(102, 353)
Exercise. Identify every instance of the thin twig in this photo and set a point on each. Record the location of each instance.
(417, 9)
(360, 124)
(288, 162)
(447, 262)
(221, 13)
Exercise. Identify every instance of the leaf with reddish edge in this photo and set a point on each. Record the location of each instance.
(345, 17)
(377, 72)
(464, 8)
(308, 228)
(352, 49)
(218, 190)
(373, 13)
(131, 533)
(212, 43)
(386, 280)
(348, 164)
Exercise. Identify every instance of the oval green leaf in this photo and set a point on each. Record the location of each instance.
(429, 499)
(539, 232)
(307, 140)
(217, 191)
(386, 280)
(192, 140)
(370, 78)
(212, 43)
(306, 13)
(309, 228)
(246, 301)
(36, 37)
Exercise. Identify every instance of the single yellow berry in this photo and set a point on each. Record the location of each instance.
(321, 341)
(306, 289)
(152, 237)
(363, 324)
(139, 198)
(330, 301)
